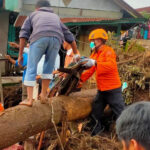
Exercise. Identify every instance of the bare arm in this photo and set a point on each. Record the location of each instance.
(24, 35)
(21, 47)
(74, 47)
(69, 38)
(13, 44)
(10, 59)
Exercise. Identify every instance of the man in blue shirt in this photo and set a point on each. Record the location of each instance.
(23, 65)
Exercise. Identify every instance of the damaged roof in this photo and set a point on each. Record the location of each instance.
(144, 9)
(128, 8)
(123, 5)
(20, 20)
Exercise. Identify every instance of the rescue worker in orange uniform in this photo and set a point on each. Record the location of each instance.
(103, 62)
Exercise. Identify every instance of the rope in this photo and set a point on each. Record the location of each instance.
(51, 104)
(82, 42)
(73, 28)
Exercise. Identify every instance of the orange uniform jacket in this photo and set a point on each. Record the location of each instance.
(107, 75)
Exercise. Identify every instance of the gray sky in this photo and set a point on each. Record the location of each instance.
(138, 3)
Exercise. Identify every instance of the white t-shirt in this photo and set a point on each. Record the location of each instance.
(40, 66)
(41, 63)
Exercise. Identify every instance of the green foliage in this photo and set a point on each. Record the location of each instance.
(135, 77)
(132, 72)
(114, 42)
(132, 46)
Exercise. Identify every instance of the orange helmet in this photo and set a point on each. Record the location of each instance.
(98, 34)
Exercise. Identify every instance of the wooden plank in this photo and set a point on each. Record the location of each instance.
(11, 80)
(3, 59)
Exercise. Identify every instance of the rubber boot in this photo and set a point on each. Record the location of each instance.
(98, 128)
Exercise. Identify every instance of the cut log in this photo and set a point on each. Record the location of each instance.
(20, 122)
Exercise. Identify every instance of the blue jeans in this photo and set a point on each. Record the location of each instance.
(48, 46)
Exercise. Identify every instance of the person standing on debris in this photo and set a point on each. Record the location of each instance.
(146, 32)
(125, 39)
(69, 53)
(149, 29)
(45, 32)
(142, 30)
(133, 127)
(103, 62)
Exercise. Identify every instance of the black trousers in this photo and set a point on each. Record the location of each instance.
(113, 98)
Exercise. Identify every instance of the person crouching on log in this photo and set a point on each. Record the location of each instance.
(45, 32)
(103, 62)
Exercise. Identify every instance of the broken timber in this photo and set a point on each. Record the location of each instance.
(131, 59)
(11, 80)
(20, 122)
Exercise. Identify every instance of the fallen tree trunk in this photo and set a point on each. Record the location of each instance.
(131, 59)
(20, 122)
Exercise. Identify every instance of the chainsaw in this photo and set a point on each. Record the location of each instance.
(68, 81)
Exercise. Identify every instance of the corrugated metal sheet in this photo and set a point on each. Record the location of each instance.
(89, 21)
(20, 20)
(128, 8)
(116, 22)
(69, 20)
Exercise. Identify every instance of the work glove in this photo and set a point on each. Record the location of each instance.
(90, 63)
(76, 58)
